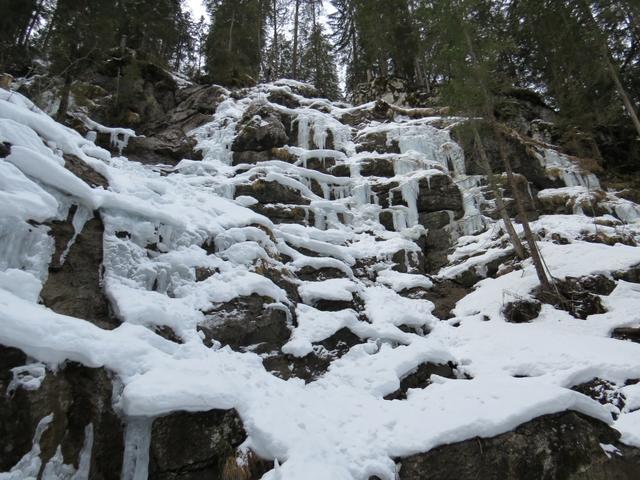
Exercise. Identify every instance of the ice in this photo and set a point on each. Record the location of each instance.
(119, 137)
(559, 165)
(27, 377)
(135, 464)
(56, 469)
(28, 468)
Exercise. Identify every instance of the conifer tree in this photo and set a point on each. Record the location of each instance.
(318, 64)
(81, 37)
(234, 43)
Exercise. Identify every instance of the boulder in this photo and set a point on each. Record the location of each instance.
(521, 311)
(199, 446)
(420, 377)
(271, 192)
(563, 446)
(245, 322)
(376, 142)
(261, 128)
(436, 193)
(377, 167)
(315, 364)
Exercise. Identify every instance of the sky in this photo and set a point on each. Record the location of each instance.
(197, 7)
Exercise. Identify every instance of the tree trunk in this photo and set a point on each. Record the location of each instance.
(504, 215)
(538, 264)
(294, 57)
(32, 23)
(545, 285)
(611, 69)
(628, 104)
(233, 20)
(64, 98)
(276, 52)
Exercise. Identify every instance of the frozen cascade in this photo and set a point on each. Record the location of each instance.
(410, 191)
(304, 132)
(472, 196)
(215, 138)
(559, 165)
(433, 143)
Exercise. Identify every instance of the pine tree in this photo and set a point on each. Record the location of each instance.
(80, 38)
(234, 43)
(376, 37)
(568, 66)
(318, 64)
(473, 63)
(18, 25)
(151, 27)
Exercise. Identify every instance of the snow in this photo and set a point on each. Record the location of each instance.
(315, 326)
(383, 305)
(162, 229)
(336, 289)
(398, 281)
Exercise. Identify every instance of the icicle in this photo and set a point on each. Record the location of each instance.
(326, 191)
(304, 129)
(410, 191)
(119, 140)
(135, 464)
(80, 218)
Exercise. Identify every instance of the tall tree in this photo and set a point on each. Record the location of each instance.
(80, 38)
(318, 64)
(236, 36)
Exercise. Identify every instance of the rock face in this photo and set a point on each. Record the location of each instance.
(565, 446)
(78, 398)
(74, 286)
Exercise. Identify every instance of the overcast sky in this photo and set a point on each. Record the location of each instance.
(197, 7)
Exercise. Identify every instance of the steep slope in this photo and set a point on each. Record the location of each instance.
(294, 291)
